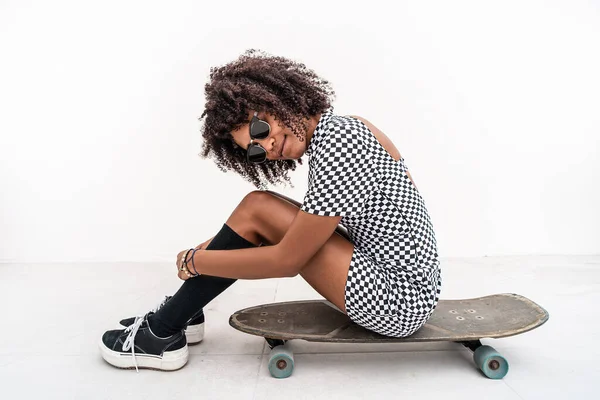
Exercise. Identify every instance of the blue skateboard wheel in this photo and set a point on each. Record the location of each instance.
(281, 362)
(490, 362)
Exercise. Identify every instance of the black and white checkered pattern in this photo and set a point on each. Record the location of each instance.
(394, 279)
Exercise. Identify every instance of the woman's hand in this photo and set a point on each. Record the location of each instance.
(179, 261)
(182, 274)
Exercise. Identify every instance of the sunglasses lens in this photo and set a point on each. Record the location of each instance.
(259, 130)
(256, 154)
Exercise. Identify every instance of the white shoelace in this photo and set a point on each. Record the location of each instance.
(129, 342)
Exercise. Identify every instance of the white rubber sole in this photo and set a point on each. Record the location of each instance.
(170, 360)
(193, 333)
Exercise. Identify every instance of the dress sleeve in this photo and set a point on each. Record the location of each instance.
(342, 176)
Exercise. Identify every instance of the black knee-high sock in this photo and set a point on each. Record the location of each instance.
(197, 292)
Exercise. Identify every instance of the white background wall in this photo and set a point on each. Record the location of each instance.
(494, 105)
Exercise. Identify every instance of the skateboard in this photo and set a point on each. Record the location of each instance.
(461, 321)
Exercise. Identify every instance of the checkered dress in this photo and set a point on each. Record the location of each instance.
(394, 280)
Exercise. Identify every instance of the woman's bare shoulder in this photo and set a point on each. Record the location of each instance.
(381, 138)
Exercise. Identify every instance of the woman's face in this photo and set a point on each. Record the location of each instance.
(280, 139)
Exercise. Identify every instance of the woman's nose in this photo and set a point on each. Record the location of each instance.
(267, 143)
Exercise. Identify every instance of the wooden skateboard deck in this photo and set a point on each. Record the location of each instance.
(463, 321)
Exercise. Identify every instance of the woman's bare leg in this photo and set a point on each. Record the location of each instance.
(264, 217)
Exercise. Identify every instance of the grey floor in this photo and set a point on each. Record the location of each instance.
(54, 314)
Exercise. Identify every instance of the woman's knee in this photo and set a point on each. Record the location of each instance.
(245, 210)
(254, 201)
(252, 206)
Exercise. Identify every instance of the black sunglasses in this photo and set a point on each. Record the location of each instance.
(259, 129)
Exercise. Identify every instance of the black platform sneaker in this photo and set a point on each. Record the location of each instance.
(138, 347)
(194, 330)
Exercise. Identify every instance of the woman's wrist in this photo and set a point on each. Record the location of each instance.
(193, 264)
(185, 268)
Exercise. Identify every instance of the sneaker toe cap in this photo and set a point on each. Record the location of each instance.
(110, 338)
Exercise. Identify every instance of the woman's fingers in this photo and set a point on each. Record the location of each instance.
(179, 256)
(183, 275)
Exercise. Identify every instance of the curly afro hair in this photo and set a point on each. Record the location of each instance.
(286, 89)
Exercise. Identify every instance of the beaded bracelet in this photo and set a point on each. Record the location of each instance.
(182, 266)
(185, 266)
(194, 265)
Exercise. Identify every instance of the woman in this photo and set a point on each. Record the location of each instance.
(263, 113)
